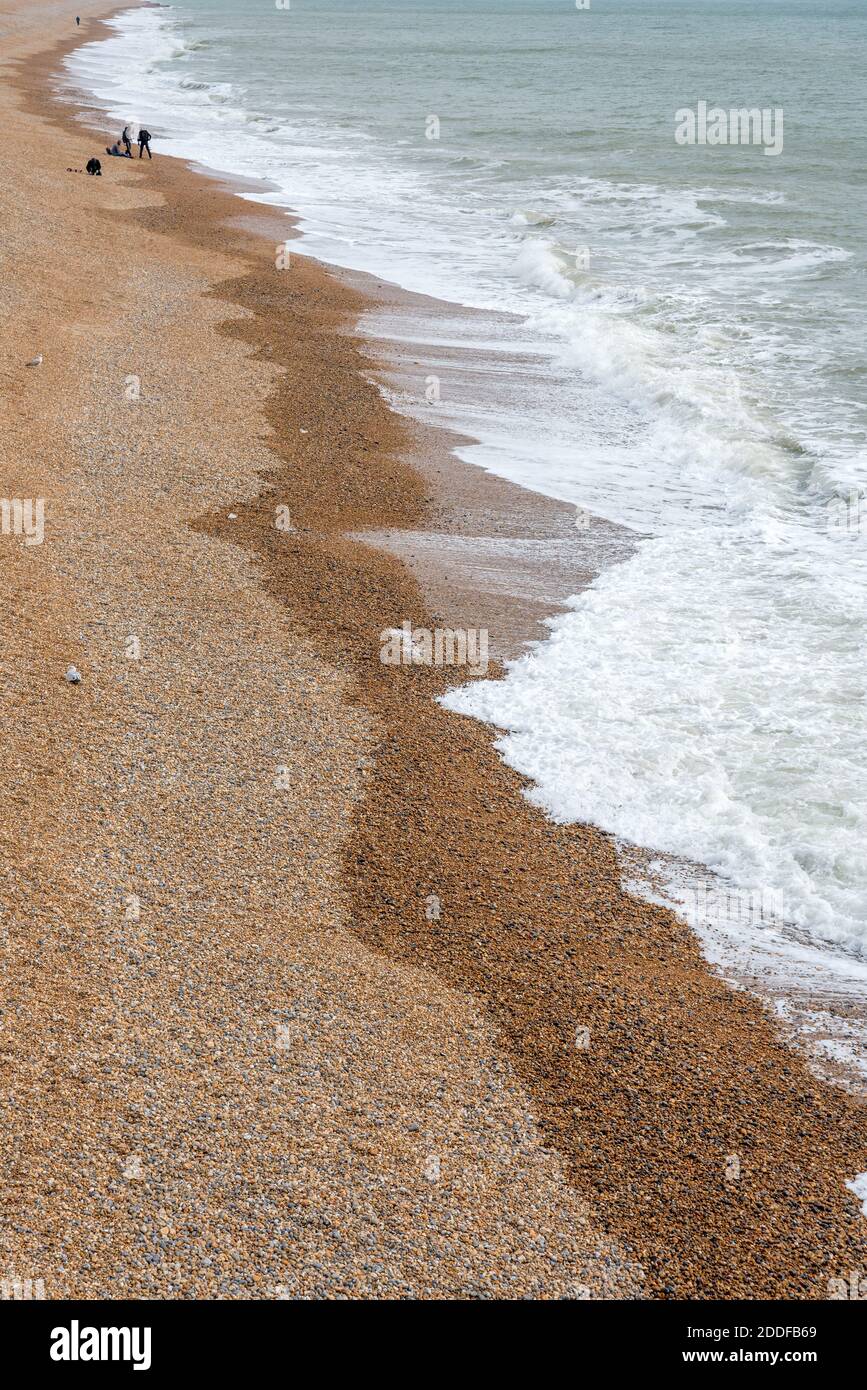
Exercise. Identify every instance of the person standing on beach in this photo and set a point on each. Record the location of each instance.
(126, 142)
(78, 19)
(144, 143)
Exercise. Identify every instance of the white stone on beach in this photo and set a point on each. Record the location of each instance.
(73, 675)
(35, 361)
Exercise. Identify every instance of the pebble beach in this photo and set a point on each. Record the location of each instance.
(241, 1056)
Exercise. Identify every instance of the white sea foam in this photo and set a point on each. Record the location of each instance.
(858, 1185)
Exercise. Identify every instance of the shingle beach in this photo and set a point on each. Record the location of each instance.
(241, 1057)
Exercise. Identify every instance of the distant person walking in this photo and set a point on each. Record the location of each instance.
(77, 19)
(144, 143)
(126, 141)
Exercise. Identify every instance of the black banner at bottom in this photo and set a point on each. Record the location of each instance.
(163, 1340)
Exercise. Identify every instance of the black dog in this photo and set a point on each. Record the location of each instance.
(93, 166)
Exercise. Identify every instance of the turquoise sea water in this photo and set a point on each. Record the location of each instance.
(697, 316)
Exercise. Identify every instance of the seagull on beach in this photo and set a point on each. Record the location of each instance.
(35, 361)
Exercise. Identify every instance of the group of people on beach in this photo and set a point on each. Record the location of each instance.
(123, 146)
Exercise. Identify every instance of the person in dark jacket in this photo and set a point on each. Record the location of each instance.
(93, 166)
(144, 143)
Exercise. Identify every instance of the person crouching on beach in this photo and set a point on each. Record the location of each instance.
(93, 166)
(144, 143)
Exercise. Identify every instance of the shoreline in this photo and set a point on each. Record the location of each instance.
(500, 558)
(647, 1117)
(261, 1104)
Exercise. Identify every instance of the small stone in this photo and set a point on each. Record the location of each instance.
(73, 676)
